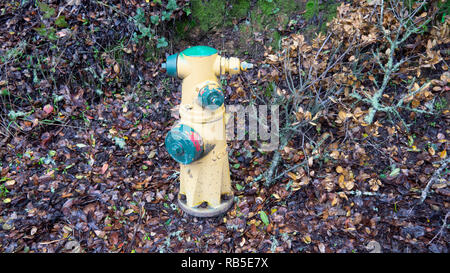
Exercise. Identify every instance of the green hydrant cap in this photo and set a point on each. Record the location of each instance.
(199, 51)
(184, 144)
(211, 97)
(171, 65)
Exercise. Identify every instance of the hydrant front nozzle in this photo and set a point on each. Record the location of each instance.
(184, 144)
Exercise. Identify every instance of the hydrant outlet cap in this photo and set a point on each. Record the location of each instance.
(184, 144)
(211, 97)
(171, 65)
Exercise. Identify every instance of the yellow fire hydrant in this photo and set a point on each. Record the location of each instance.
(198, 140)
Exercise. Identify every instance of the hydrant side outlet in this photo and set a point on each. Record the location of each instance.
(211, 96)
(171, 65)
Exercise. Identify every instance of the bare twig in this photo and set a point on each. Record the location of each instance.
(441, 230)
(433, 179)
(401, 34)
(141, 215)
(302, 92)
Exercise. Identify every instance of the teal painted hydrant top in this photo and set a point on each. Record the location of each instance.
(199, 51)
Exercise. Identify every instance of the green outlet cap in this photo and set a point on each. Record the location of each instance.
(171, 65)
(184, 144)
(211, 97)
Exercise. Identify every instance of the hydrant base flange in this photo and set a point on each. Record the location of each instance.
(208, 211)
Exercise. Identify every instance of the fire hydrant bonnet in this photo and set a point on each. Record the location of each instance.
(199, 51)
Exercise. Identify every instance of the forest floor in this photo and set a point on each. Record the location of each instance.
(85, 108)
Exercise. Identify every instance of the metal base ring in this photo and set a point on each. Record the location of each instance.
(208, 211)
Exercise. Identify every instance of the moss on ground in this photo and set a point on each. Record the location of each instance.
(208, 14)
(183, 27)
(311, 9)
(326, 9)
(238, 9)
(267, 17)
(276, 39)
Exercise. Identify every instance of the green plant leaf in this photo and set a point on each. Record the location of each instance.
(61, 21)
(48, 33)
(394, 172)
(187, 10)
(46, 9)
(140, 16)
(162, 42)
(172, 5)
(165, 15)
(13, 115)
(42, 30)
(4, 92)
(154, 19)
(264, 217)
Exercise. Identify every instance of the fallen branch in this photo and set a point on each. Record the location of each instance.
(441, 230)
(365, 193)
(403, 32)
(433, 179)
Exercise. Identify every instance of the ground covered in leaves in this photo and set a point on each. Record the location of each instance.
(85, 107)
